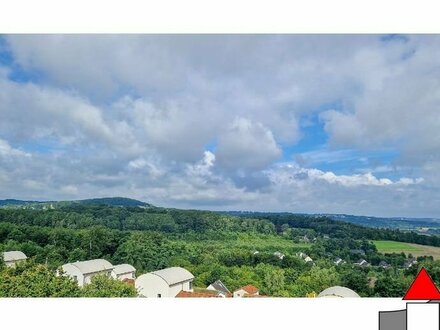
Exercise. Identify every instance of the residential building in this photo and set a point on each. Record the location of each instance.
(219, 287)
(246, 291)
(11, 258)
(385, 265)
(338, 292)
(124, 271)
(362, 263)
(338, 261)
(164, 283)
(83, 271)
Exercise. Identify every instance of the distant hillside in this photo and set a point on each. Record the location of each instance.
(110, 201)
(426, 226)
(16, 202)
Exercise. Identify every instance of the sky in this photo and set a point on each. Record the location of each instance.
(299, 123)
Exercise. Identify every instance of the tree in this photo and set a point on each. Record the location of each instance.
(34, 280)
(104, 286)
(316, 279)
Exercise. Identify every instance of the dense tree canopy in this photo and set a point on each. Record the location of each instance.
(237, 250)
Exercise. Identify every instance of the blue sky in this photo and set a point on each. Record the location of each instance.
(301, 123)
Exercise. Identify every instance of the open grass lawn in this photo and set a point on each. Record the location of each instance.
(415, 249)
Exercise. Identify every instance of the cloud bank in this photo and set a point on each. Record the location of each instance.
(343, 124)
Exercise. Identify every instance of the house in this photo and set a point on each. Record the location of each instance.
(338, 292)
(362, 263)
(338, 261)
(246, 291)
(219, 287)
(164, 283)
(83, 271)
(301, 255)
(279, 255)
(308, 259)
(124, 271)
(11, 258)
(255, 252)
(384, 264)
(409, 263)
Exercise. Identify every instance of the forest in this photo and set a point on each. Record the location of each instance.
(238, 250)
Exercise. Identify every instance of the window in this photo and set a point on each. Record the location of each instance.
(190, 285)
(75, 277)
(159, 295)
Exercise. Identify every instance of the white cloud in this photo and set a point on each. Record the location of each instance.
(133, 115)
(288, 172)
(7, 151)
(246, 145)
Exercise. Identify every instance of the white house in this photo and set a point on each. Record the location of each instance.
(362, 263)
(124, 271)
(164, 283)
(338, 292)
(279, 255)
(83, 271)
(246, 291)
(220, 288)
(308, 259)
(338, 261)
(301, 255)
(11, 258)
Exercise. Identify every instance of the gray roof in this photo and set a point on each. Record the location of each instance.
(13, 256)
(339, 292)
(123, 269)
(174, 275)
(220, 287)
(92, 266)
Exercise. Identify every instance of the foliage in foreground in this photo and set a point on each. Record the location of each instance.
(36, 280)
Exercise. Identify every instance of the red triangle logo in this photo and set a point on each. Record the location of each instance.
(423, 288)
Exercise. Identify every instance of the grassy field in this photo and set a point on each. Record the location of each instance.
(415, 249)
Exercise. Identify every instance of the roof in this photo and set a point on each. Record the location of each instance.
(123, 269)
(187, 294)
(219, 286)
(249, 289)
(338, 292)
(129, 281)
(92, 266)
(13, 256)
(174, 275)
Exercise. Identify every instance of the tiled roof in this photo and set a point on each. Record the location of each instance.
(187, 294)
(250, 289)
(129, 281)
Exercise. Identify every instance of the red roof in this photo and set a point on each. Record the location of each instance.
(128, 281)
(187, 294)
(250, 289)
(423, 288)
